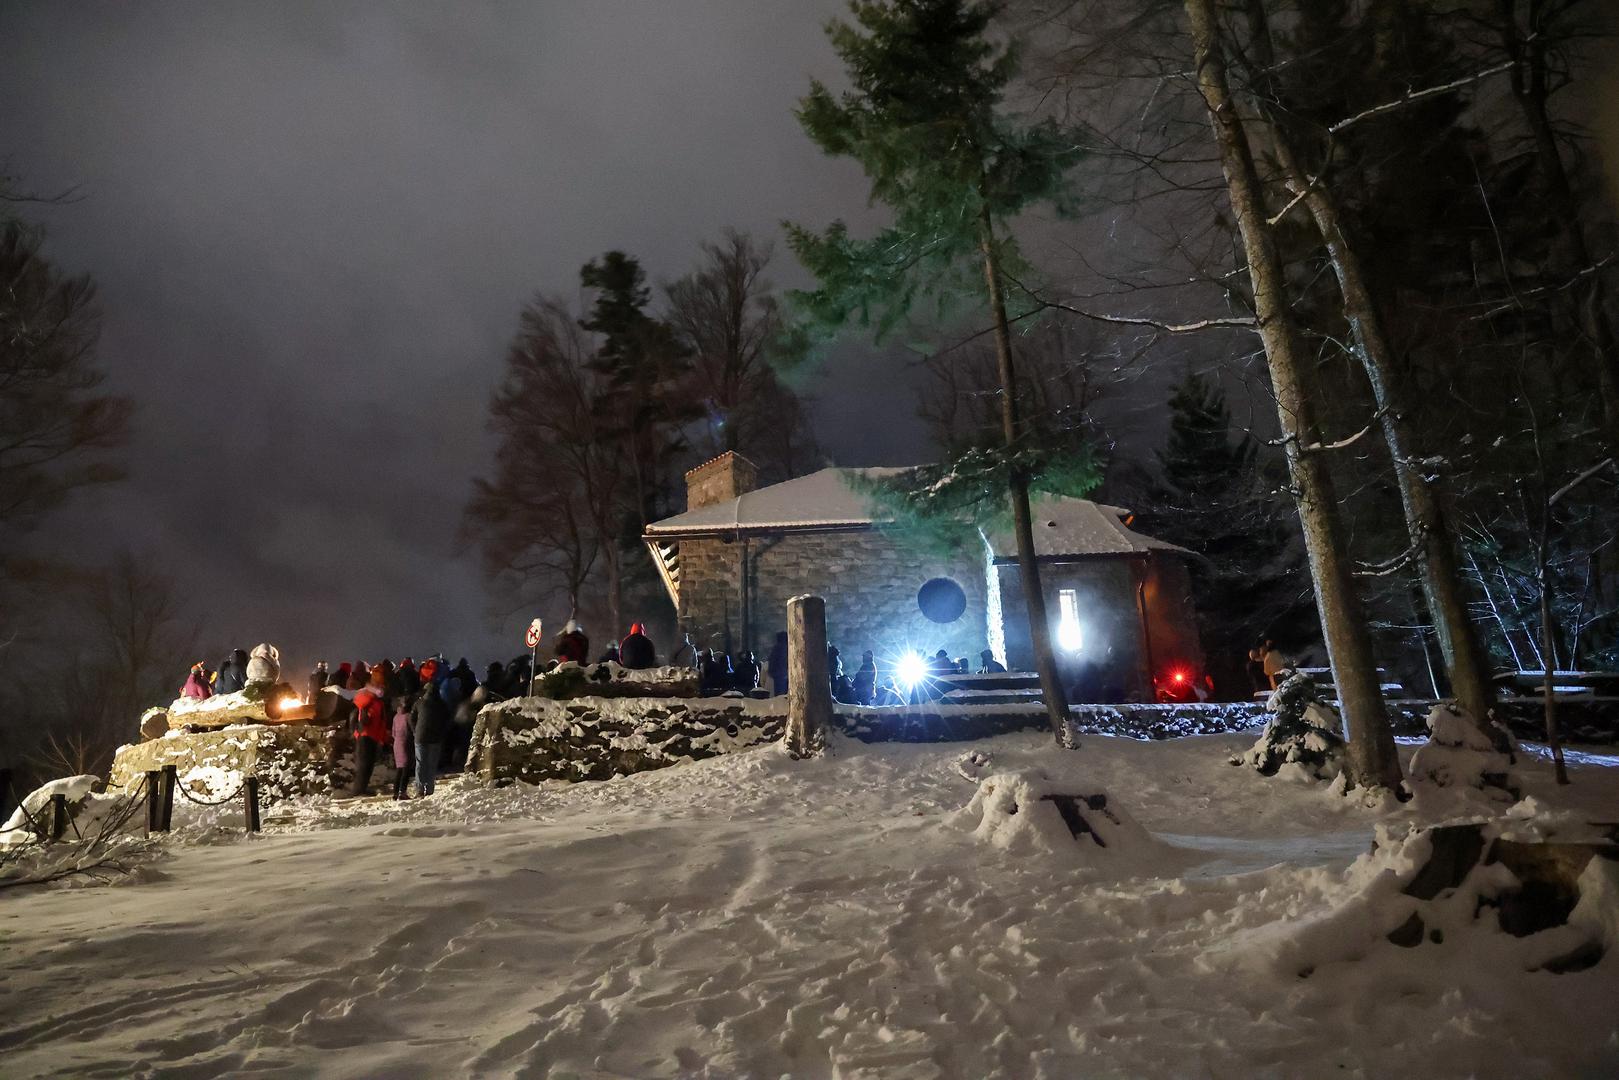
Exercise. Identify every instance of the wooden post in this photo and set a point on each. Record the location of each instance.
(154, 802)
(809, 692)
(171, 780)
(5, 794)
(250, 789)
(58, 816)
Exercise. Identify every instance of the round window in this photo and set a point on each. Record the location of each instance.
(941, 600)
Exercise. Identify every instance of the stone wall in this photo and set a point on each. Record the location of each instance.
(868, 578)
(534, 739)
(288, 759)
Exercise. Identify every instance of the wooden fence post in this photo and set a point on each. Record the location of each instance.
(154, 802)
(58, 816)
(171, 780)
(809, 692)
(250, 788)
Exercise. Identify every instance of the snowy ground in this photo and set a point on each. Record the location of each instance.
(752, 916)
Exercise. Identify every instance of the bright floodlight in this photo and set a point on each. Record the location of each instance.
(1069, 636)
(911, 670)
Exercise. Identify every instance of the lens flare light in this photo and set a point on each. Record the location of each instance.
(910, 670)
(1070, 637)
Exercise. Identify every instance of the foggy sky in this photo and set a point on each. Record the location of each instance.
(313, 227)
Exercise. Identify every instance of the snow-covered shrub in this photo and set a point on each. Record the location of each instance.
(1026, 812)
(1301, 738)
(1460, 763)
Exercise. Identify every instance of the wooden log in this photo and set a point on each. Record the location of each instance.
(171, 780)
(809, 693)
(58, 816)
(250, 793)
(154, 802)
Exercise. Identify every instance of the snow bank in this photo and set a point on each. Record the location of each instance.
(36, 805)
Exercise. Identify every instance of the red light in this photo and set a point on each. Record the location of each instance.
(1179, 676)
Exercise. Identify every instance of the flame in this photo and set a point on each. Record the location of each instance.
(291, 701)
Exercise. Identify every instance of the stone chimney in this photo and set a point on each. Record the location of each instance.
(720, 479)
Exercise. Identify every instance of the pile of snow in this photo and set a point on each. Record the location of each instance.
(251, 698)
(1301, 740)
(1025, 812)
(1461, 766)
(35, 809)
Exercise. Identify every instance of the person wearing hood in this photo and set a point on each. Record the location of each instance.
(409, 679)
(371, 735)
(714, 671)
(430, 721)
(746, 675)
(232, 673)
(458, 740)
(404, 749)
(636, 650)
(318, 679)
(463, 671)
(865, 679)
(197, 686)
(776, 664)
(572, 646)
(264, 665)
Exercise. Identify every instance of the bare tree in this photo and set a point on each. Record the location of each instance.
(55, 417)
(555, 507)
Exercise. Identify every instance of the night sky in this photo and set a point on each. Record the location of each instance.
(313, 226)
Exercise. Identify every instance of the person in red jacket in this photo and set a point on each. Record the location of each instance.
(371, 735)
(572, 644)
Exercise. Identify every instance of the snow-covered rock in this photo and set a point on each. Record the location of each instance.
(34, 812)
(1027, 812)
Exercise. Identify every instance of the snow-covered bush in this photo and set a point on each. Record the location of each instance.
(1026, 812)
(1301, 738)
(1461, 764)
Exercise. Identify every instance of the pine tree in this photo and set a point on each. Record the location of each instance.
(644, 365)
(1215, 499)
(923, 120)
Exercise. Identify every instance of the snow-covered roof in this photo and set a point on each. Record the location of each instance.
(820, 500)
(1066, 527)
(827, 499)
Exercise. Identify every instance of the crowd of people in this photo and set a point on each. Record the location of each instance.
(421, 716)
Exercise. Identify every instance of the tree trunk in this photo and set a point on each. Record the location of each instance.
(615, 589)
(809, 689)
(1373, 760)
(1034, 597)
(1429, 533)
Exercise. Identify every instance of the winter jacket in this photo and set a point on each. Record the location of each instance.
(636, 650)
(265, 664)
(746, 676)
(865, 681)
(463, 671)
(196, 687)
(777, 662)
(402, 739)
(368, 715)
(573, 646)
(232, 673)
(430, 718)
